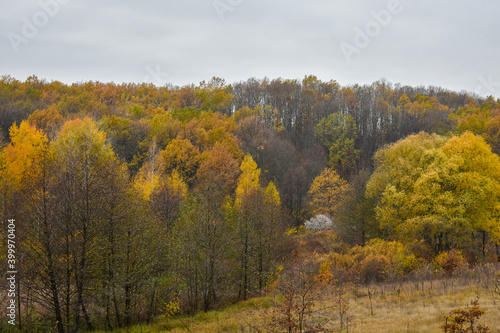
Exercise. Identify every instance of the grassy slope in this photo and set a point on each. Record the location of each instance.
(396, 308)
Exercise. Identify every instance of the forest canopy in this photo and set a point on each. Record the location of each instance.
(128, 197)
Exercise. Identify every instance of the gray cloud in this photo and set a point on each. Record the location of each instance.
(448, 43)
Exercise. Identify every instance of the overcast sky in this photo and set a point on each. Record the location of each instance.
(450, 43)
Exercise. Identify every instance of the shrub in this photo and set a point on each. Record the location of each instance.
(376, 261)
(374, 268)
(401, 259)
(344, 267)
(465, 320)
(449, 261)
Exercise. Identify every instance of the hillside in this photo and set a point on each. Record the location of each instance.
(123, 203)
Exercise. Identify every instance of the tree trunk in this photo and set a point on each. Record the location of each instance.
(117, 309)
(79, 277)
(68, 281)
(55, 299)
(128, 303)
(151, 311)
(484, 243)
(127, 286)
(245, 267)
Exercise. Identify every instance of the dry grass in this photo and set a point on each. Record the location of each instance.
(404, 307)
(409, 310)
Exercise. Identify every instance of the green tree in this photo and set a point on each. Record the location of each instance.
(338, 133)
(203, 239)
(84, 161)
(215, 95)
(357, 214)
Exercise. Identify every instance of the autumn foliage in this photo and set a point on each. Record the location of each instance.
(133, 200)
(300, 291)
(437, 189)
(465, 320)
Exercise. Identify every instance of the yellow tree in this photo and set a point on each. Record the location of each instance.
(246, 205)
(438, 190)
(476, 179)
(19, 165)
(6, 188)
(483, 120)
(327, 192)
(20, 155)
(249, 180)
(215, 95)
(211, 128)
(183, 156)
(471, 118)
(492, 132)
(29, 164)
(24, 159)
(148, 177)
(269, 229)
(259, 224)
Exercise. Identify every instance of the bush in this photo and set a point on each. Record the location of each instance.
(374, 268)
(344, 267)
(465, 320)
(319, 223)
(376, 261)
(449, 261)
(402, 260)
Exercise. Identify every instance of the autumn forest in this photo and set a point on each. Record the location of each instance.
(133, 201)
